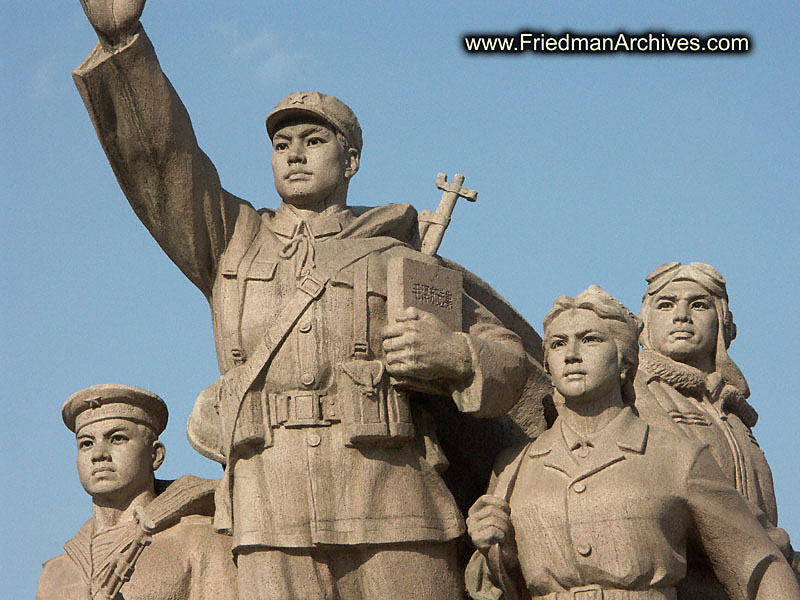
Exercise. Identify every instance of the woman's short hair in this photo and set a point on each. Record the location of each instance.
(622, 325)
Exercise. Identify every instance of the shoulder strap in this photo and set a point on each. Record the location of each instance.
(181, 498)
(360, 308)
(108, 581)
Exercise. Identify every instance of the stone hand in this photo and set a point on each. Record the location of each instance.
(419, 346)
(115, 21)
(488, 523)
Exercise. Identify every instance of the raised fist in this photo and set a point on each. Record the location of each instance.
(115, 21)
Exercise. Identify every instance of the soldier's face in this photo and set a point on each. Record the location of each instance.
(682, 322)
(582, 355)
(309, 164)
(115, 462)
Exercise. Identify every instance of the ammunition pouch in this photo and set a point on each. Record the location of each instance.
(373, 412)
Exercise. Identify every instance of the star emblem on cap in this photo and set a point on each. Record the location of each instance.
(298, 99)
(93, 402)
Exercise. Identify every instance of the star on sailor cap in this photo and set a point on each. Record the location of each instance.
(113, 401)
(93, 402)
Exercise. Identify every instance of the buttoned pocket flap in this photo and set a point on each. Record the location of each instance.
(229, 269)
(262, 270)
(343, 277)
(376, 279)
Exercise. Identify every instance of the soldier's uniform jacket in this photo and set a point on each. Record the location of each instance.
(705, 408)
(616, 510)
(186, 561)
(289, 483)
(679, 397)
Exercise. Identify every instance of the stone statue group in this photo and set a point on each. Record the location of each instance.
(336, 411)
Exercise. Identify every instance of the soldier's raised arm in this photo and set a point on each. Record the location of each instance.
(115, 21)
(147, 135)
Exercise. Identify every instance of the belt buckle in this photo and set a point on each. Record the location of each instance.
(305, 410)
(310, 285)
(586, 592)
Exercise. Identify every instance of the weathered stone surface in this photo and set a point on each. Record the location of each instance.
(318, 416)
(147, 538)
(603, 504)
(688, 383)
(353, 359)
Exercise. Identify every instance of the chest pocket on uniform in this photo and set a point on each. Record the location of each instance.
(262, 270)
(235, 289)
(376, 284)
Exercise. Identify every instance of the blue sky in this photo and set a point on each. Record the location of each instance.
(590, 169)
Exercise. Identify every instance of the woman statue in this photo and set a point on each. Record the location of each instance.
(602, 505)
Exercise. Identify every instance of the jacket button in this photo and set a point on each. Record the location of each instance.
(307, 379)
(582, 452)
(579, 487)
(584, 549)
(313, 439)
(305, 325)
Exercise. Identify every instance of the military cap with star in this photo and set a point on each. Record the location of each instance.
(114, 401)
(328, 108)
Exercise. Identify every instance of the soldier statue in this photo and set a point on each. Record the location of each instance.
(688, 383)
(147, 539)
(331, 487)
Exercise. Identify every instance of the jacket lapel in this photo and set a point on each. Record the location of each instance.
(625, 434)
(553, 451)
(601, 458)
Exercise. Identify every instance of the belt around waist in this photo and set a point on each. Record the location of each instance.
(596, 592)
